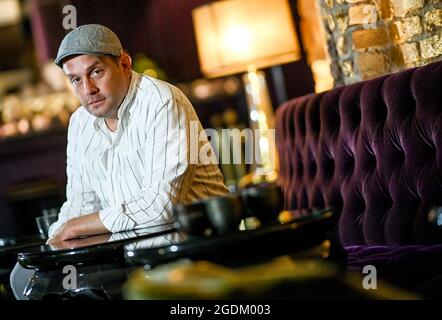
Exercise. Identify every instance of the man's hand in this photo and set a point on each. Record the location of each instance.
(83, 242)
(77, 227)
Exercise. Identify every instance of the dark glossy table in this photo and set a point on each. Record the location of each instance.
(98, 262)
(103, 263)
(9, 248)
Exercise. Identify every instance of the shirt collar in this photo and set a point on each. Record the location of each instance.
(125, 104)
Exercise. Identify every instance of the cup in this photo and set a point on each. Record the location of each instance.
(264, 202)
(191, 218)
(50, 212)
(224, 213)
(44, 222)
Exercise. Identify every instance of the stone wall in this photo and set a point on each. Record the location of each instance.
(369, 38)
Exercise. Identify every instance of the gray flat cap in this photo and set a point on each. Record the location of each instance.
(89, 39)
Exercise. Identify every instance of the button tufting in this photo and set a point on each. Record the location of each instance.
(312, 169)
(398, 119)
(299, 170)
(372, 161)
(328, 168)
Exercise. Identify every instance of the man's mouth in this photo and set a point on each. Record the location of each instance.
(96, 103)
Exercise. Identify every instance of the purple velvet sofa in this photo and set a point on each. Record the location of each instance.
(373, 151)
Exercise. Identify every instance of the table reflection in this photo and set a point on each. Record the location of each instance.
(124, 236)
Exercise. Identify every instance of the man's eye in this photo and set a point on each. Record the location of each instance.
(74, 80)
(96, 71)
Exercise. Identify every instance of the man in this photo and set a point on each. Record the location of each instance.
(128, 144)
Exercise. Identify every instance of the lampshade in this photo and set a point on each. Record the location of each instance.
(9, 12)
(234, 34)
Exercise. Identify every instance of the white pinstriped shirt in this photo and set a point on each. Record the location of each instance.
(134, 181)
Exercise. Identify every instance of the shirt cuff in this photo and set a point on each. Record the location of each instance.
(115, 220)
(53, 227)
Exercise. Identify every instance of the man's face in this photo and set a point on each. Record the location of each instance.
(100, 82)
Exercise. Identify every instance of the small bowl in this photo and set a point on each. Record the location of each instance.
(224, 213)
(191, 218)
(264, 202)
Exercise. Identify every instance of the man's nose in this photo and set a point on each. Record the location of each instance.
(89, 87)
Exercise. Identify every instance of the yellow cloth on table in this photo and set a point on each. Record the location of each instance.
(185, 279)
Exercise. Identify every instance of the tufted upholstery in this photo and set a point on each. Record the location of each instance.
(373, 150)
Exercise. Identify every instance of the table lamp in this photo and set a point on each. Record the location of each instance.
(236, 36)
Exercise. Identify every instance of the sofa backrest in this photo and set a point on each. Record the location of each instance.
(372, 150)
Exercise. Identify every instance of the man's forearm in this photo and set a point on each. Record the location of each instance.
(87, 225)
(80, 226)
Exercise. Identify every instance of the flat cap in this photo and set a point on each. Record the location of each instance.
(89, 39)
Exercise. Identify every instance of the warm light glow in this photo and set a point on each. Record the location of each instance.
(237, 40)
(9, 12)
(202, 89)
(233, 34)
(263, 121)
(254, 115)
(23, 126)
(264, 145)
(322, 75)
(254, 89)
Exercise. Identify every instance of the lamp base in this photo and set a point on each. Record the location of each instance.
(264, 170)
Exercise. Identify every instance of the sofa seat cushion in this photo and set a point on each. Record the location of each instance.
(413, 267)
